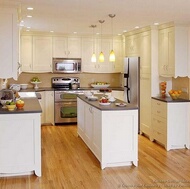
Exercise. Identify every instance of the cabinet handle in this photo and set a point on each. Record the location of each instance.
(90, 109)
(158, 111)
(158, 103)
(158, 121)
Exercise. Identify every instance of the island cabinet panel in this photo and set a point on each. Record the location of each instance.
(20, 144)
(111, 135)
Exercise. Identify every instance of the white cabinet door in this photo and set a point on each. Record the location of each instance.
(42, 54)
(145, 104)
(42, 104)
(80, 118)
(132, 45)
(9, 40)
(144, 52)
(49, 107)
(26, 53)
(66, 47)
(173, 51)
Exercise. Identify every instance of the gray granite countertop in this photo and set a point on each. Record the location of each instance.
(111, 107)
(52, 89)
(31, 105)
(170, 100)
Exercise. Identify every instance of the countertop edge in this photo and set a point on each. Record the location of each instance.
(111, 107)
(170, 100)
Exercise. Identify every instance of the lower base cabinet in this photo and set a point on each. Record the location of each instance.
(170, 124)
(20, 144)
(113, 142)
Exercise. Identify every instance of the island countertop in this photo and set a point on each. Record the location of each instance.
(111, 107)
(31, 105)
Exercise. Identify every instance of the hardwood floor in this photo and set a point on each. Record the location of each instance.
(67, 163)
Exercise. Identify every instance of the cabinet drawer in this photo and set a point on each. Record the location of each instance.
(159, 124)
(159, 108)
(159, 136)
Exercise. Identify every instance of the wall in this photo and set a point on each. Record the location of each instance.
(86, 79)
(182, 83)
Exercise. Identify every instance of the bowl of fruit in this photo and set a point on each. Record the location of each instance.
(99, 85)
(3, 102)
(104, 101)
(175, 94)
(11, 105)
(19, 104)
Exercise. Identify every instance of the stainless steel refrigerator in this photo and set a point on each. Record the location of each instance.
(132, 81)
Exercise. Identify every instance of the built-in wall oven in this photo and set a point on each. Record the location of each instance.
(65, 100)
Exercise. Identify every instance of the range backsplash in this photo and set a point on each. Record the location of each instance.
(86, 79)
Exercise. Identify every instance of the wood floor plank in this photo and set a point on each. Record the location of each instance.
(67, 163)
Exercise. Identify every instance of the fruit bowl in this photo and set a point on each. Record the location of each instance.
(11, 107)
(3, 102)
(175, 94)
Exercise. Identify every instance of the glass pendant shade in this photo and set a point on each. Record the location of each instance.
(112, 56)
(93, 58)
(101, 57)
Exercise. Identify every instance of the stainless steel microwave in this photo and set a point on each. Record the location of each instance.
(66, 65)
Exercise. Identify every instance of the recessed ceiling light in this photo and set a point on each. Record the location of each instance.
(51, 31)
(97, 33)
(27, 30)
(28, 27)
(156, 23)
(29, 8)
(29, 16)
(124, 30)
(75, 32)
(118, 34)
(136, 27)
(22, 21)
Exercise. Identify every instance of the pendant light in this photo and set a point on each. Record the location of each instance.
(93, 58)
(112, 54)
(101, 56)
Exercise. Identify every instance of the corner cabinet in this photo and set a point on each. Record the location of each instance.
(66, 47)
(170, 124)
(173, 51)
(9, 48)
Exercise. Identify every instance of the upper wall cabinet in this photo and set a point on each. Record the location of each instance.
(9, 43)
(66, 47)
(173, 51)
(132, 45)
(36, 54)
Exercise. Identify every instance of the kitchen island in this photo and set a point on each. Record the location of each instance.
(20, 139)
(110, 131)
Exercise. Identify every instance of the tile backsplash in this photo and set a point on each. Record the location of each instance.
(86, 79)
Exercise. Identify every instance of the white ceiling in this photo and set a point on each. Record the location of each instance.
(68, 16)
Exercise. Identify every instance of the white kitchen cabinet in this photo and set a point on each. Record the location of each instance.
(145, 104)
(66, 47)
(170, 124)
(20, 146)
(36, 53)
(113, 144)
(173, 51)
(49, 107)
(42, 104)
(42, 54)
(26, 53)
(145, 52)
(9, 40)
(132, 43)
